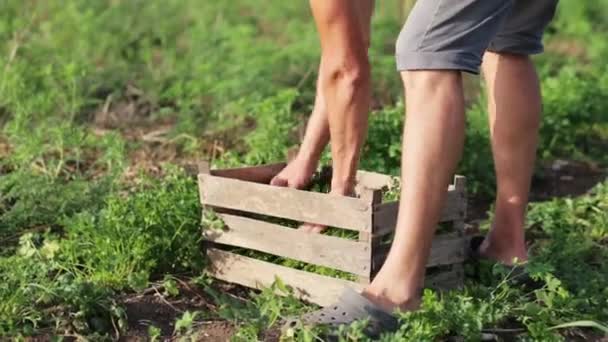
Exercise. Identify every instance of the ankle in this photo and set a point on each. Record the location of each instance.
(507, 231)
(504, 249)
(510, 211)
(508, 221)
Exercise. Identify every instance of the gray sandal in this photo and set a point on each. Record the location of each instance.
(350, 307)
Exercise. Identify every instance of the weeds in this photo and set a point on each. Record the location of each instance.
(235, 81)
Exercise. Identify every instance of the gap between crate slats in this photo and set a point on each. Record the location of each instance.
(336, 211)
(330, 251)
(308, 286)
(257, 174)
(446, 249)
(385, 214)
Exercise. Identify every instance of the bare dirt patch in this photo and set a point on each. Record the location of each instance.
(154, 308)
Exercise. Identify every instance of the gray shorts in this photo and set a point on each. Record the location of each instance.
(453, 34)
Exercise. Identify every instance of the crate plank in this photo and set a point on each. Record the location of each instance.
(255, 273)
(336, 211)
(330, 251)
(311, 287)
(373, 197)
(373, 180)
(446, 249)
(385, 215)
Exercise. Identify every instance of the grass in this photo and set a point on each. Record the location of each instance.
(100, 108)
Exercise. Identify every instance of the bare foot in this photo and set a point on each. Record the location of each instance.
(392, 297)
(505, 246)
(397, 286)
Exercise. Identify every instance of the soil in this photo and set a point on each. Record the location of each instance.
(154, 308)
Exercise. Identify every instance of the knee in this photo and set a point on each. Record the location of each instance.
(439, 86)
(430, 80)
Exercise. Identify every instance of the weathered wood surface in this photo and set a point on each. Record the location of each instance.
(385, 214)
(255, 273)
(330, 210)
(373, 180)
(330, 251)
(311, 287)
(446, 249)
(373, 197)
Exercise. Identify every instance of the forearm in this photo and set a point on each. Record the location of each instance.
(345, 83)
(348, 96)
(317, 133)
(316, 136)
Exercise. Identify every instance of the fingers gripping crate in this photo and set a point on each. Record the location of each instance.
(237, 195)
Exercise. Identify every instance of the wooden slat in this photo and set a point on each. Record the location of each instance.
(446, 249)
(255, 273)
(303, 206)
(373, 180)
(311, 287)
(373, 197)
(385, 215)
(257, 174)
(338, 253)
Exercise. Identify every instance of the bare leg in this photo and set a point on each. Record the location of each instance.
(432, 145)
(514, 102)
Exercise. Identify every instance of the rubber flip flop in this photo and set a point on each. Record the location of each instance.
(350, 307)
(518, 275)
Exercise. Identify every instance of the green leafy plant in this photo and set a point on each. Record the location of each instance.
(90, 93)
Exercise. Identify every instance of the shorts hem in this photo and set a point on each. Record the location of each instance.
(515, 46)
(452, 60)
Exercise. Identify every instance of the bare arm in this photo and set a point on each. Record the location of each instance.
(345, 85)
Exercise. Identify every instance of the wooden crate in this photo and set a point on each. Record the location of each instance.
(236, 194)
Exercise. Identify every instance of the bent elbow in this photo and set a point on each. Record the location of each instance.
(350, 73)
